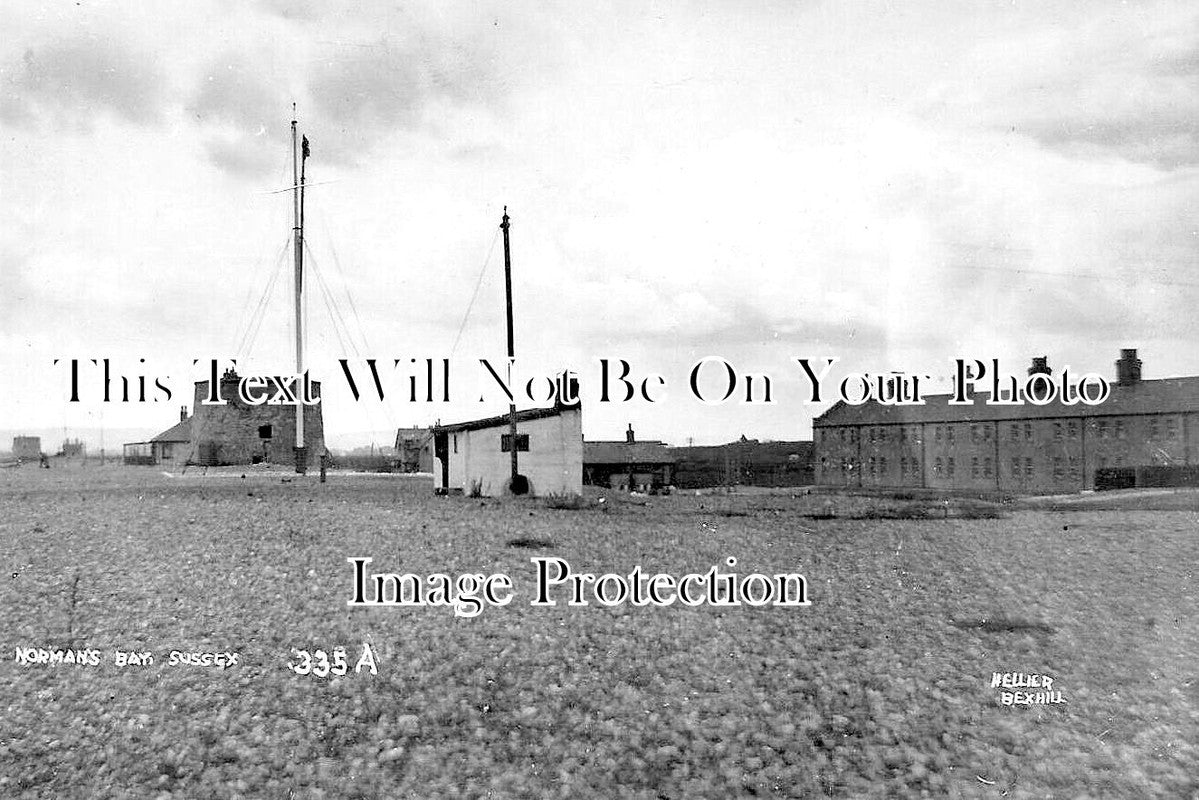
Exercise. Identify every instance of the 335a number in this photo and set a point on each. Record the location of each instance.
(318, 663)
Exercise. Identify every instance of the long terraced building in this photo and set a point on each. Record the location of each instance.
(1145, 428)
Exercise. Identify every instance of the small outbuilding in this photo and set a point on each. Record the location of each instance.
(475, 457)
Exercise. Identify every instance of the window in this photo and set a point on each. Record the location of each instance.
(1057, 431)
(987, 472)
(1073, 468)
(937, 433)
(1028, 467)
(949, 467)
(1015, 432)
(873, 467)
(1059, 469)
(264, 431)
(882, 465)
(974, 467)
(1119, 429)
(1028, 431)
(1171, 428)
(1072, 429)
(903, 466)
(1015, 468)
(974, 433)
(1154, 428)
(949, 433)
(915, 465)
(938, 467)
(522, 443)
(455, 443)
(1102, 425)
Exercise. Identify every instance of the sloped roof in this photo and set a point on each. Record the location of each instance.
(499, 421)
(1166, 395)
(179, 432)
(649, 452)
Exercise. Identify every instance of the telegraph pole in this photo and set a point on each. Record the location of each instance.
(511, 355)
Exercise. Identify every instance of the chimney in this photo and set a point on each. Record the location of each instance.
(182, 413)
(1128, 368)
(628, 435)
(1040, 366)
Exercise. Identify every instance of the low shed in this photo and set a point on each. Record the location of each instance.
(475, 457)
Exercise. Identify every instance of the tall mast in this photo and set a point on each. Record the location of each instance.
(511, 352)
(298, 235)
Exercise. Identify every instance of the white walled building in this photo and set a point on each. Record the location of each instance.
(474, 454)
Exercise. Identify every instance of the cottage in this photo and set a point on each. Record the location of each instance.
(475, 457)
(628, 466)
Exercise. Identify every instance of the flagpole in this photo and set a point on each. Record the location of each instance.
(298, 235)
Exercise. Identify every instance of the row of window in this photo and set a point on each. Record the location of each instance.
(981, 432)
(979, 467)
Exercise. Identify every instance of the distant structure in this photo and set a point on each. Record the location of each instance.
(475, 457)
(73, 448)
(169, 448)
(747, 462)
(1145, 433)
(27, 447)
(235, 432)
(629, 465)
(414, 449)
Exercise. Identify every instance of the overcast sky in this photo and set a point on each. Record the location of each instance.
(892, 184)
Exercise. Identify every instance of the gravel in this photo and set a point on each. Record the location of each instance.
(880, 688)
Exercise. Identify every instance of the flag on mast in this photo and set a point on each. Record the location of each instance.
(304, 151)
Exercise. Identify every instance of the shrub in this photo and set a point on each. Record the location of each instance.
(565, 501)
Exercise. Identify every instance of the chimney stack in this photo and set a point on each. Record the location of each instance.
(182, 413)
(628, 435)
(1128, 368)
(1040, 366)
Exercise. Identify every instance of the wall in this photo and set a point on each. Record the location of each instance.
(553, 463)
(229, 433)
(1020, 455)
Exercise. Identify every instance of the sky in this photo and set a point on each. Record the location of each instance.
(892, 184)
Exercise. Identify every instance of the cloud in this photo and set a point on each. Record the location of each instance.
(68, 83)
(1111, 86)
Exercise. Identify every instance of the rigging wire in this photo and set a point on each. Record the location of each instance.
(345, 284)
(255, 323)
(475, 294)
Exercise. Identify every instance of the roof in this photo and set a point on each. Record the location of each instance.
(1166, 395)
(527, 415)
(179, 432)
(650, 452)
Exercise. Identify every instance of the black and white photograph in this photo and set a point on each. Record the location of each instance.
(664, 400)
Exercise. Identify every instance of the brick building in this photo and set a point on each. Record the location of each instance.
(236, 432)
(1024, 448)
